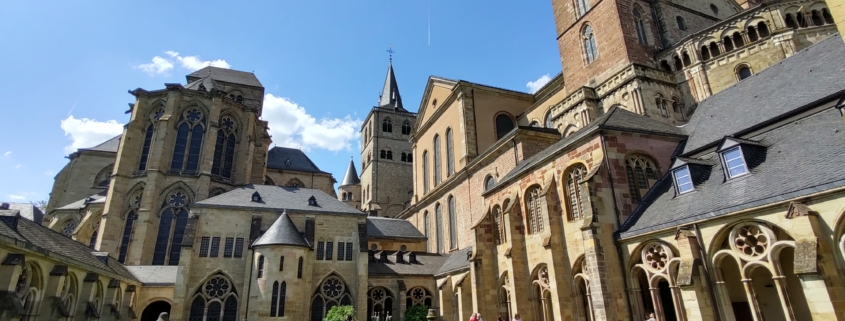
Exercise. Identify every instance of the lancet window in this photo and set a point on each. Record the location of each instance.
(148, 137)
(189, 136)
(215, 300)
(224, 148)
(171, 229)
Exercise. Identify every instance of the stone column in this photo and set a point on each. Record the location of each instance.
(752, 300)
(780, 284)
(724, 301)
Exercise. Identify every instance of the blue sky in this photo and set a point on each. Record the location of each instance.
(67, 66)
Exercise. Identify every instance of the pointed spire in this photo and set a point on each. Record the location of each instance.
(390, 92)
(351, 177)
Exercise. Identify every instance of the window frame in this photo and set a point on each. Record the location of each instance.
(723, 157)
(678, 184)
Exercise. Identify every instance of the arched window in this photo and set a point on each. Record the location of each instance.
(828, 19)
(332, 292)
(215, 300)
(639, 24)
(763, 29)
(406, 128)
(453, 224)
(573, 177)
(436, 159)
(438, 227)
(590, 47)
(504, 124)
(816, 16)
(380, 303)
(171, 229)
(224, 148)
(752, 34)
(299, 269)
(790, 21)
(425, 171)
(550, 123)
(148, 138)
(660, 102)
(682, 25)
(406, 157)
(387, 125)
(743, 72)
(277, 301)
(450, 153)
(664, 65)
(239, 99)
(426, 229)
(738, 41)
(189, 137)
(686, 57)
(728, 43)
(489, 182)
(534, 209)
(499, 222)
(802, 20)
(642, 174)
(581, 6)
(678, 65)
(714, 49)
(705, 53)
(386, 154)
(131, 216)
(260, 267)
(419, 296)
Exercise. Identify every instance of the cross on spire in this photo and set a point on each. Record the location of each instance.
(391, 52)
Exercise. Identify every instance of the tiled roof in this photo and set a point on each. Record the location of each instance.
(282, 232)
(154, 275)
(226, 75)
(110, 145)
(380, 227)
(80, 204)
(428, 264)
(28, 211)
(807, 76)
(279, 198)
(75, 253)
(278, 157)
(457, 261)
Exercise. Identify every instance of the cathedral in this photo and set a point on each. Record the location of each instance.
(680, 166)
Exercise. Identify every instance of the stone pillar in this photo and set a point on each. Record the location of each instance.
(604, 305)
(780, 284)
(445, 296)
(724, 301)
(752, 300)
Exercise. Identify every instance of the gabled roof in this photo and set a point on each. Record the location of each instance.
(110, 145)
(291, 199)
(807, 76)
(226, 75)
(290, 159)
(390, 97)
(351, 177)
(282, 232)
(382, 227)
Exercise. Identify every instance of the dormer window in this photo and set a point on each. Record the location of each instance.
(683, 180)
(287, 162)
(312, 201)
(256, 197)
(734, 162)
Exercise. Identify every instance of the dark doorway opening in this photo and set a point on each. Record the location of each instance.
(666, 301)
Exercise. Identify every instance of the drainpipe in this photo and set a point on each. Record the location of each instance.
(618, 225)
(706, 264)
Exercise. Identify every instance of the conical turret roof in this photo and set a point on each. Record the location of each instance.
(390, 97)
(351, 177)
(282, 232)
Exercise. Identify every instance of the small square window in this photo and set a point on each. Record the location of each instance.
(683, 181)
(734, 162)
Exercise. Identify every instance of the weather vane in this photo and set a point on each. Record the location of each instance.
(391, 52)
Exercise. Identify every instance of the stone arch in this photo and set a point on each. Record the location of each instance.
(332, 290)
(236, 117)
(139, 186)
(268, 180)
(154, 308)
(540, 293)
(103, 177)
(381, 303)
(195, 103)
(583, 305)
(295, 182)
(570, 129)
(177, 186)
(503, 294)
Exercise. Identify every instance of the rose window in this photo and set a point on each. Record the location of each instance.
(333, 288)
(217, 287)
(228, 124)
(751, 240)
(418, 294)
(157, 115)
(656, 257)
(69, 227)
(178, 200)
(193, 115)
(378, 294)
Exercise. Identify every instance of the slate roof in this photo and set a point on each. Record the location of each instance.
(25, 231)
(615, 119)
(809, 75)
(110, 145)
(282, 232)
(154, 275)
(382, 227)
(28, 211)
(429, 263)
(279, 198)
(351, 177)
(207, 83)
(390, 97)
(277, 158)
(226, 75)
(80, 204)
(457, 261)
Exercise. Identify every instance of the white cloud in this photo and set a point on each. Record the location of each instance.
(534, 86)
(193, 63)
(86, 132)
(157, 67)
(17, 197)
(292, 126)
(49, 173)
(7, 153)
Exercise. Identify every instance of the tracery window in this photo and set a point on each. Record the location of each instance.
(639, 24)
(437, 160)
(28, 288)
(438, 221)
(186, 152)
(418, 296)
(69, 227)
(581, 6)
(406, 128)
(450, 154)
(642, 174)
(453, 224)
(332, 292)
(387, 125)
(499, 221)
(590, 47)
(129, 225)
(379, 303)
(224, 148)
(574, 176)
(148, 138)
(277, 303)
(534, 209)
(171, 229)
(215, 300)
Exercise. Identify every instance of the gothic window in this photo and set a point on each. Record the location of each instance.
(534, 209)
(224, 148)
(437, 159)
(171, 229)
(274, 299)
(582, 6)
(186, 152)
(148, 138)
(387, 125)
(743, 72)
(549, 120)
(682, 25)
(639, 24)
(332, 292)
(450, 153)
(260, 267)
(69, 227)
(489, 182)
(406, 128)
(380, 303)
(590, 47)
(277, 303)
(215, 300)
(425, 171)
(426, 228)
(504, 124)
(453, 224)
(418, 296)
(438, 226)
(129, 224)
(573, 177)
(95, 228)
(299, 269)
(642, 174)
(499, 221)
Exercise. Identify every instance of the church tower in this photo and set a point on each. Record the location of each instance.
(349, 191)
(386, 171)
